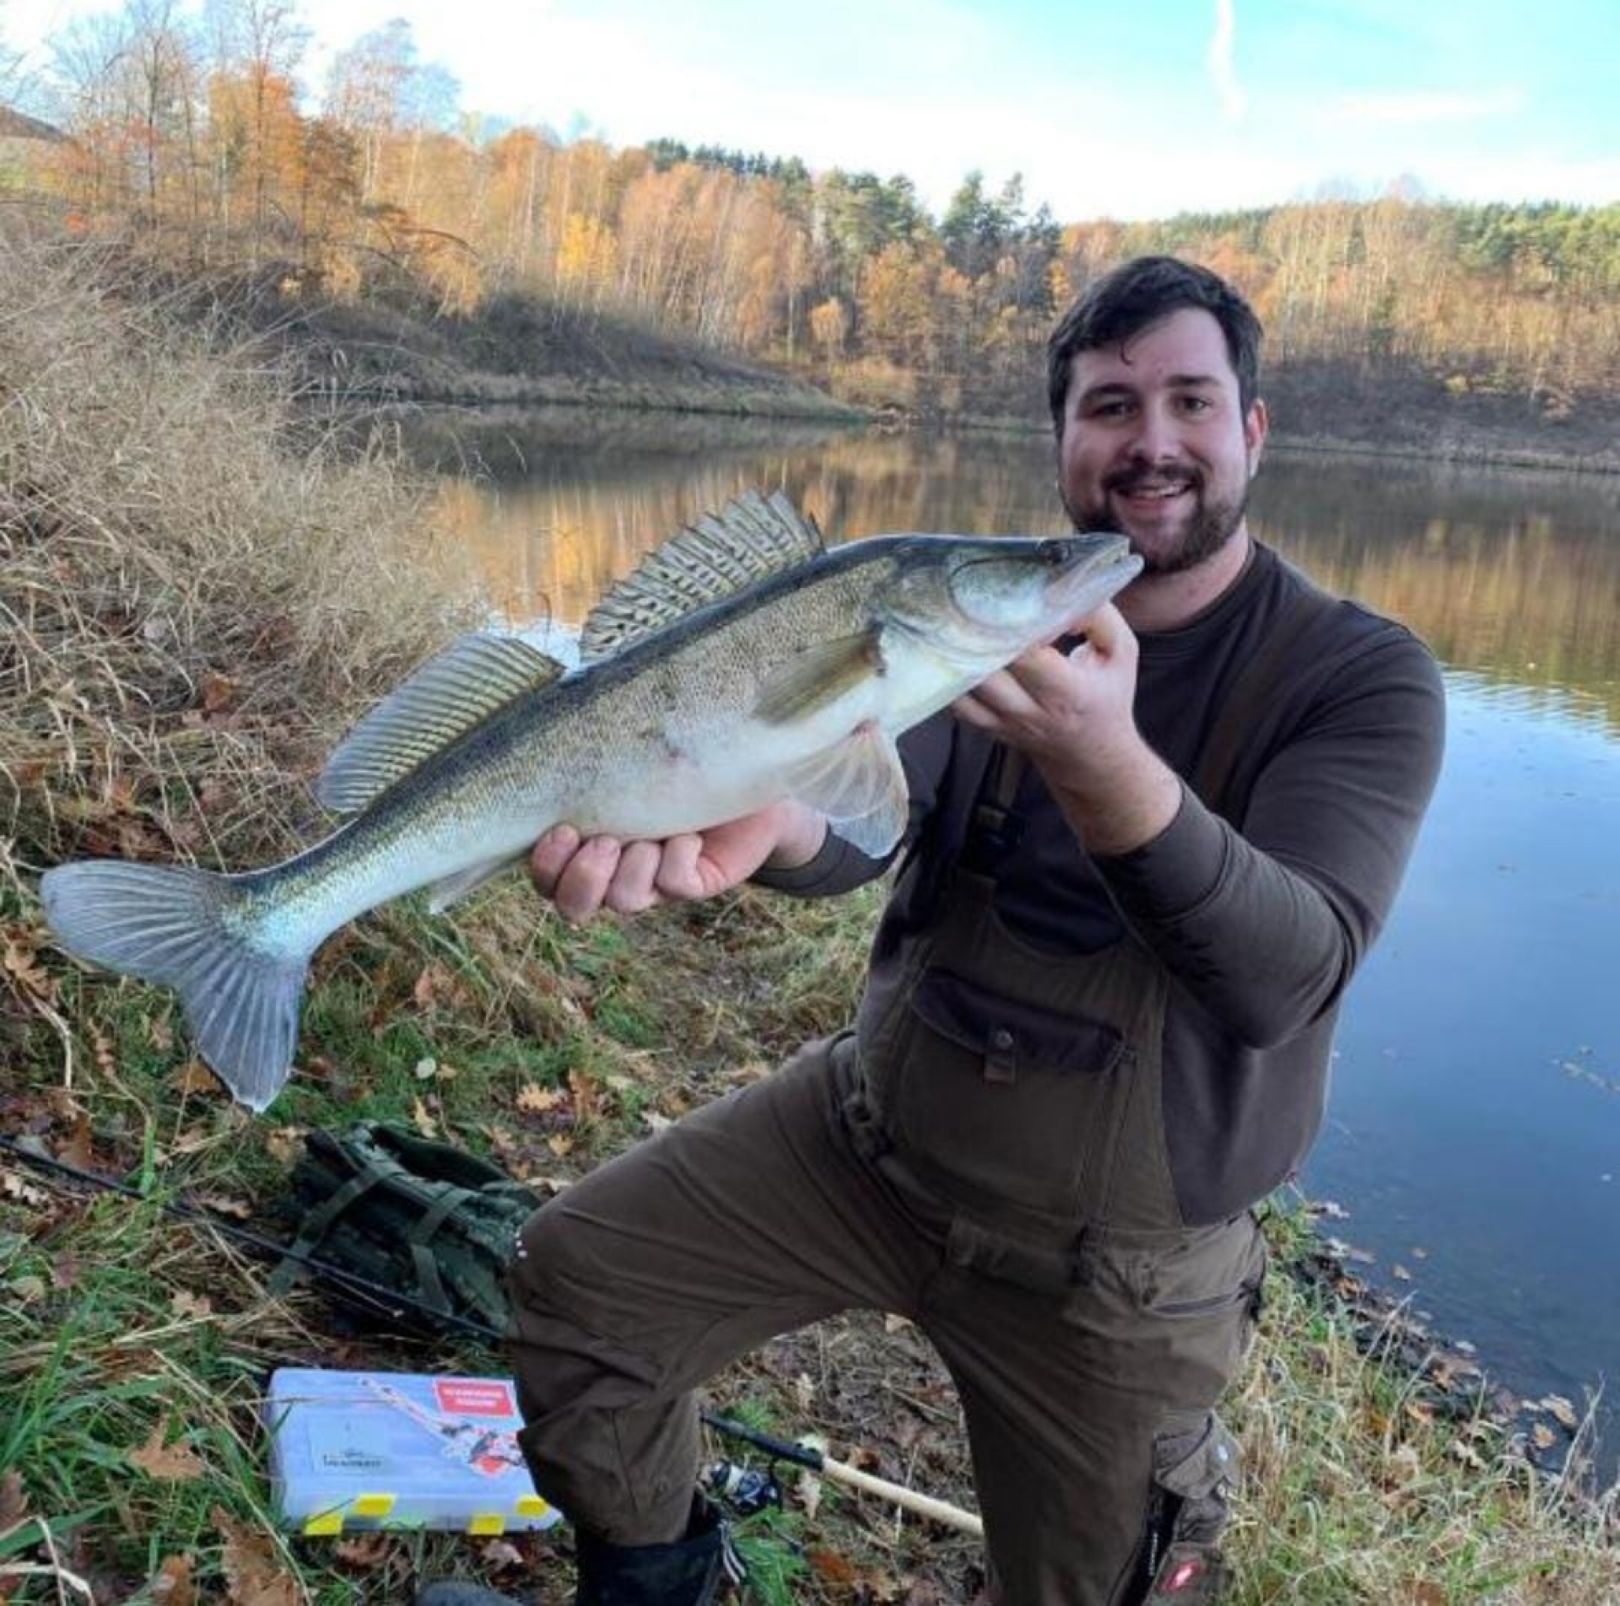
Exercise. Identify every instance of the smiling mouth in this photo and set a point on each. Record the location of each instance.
(1161, 491)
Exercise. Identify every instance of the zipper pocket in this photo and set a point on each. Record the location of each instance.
(1208, 1306)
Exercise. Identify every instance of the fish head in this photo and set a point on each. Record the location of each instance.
(995, 596)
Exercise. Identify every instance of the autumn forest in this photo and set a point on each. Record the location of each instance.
(194, 141)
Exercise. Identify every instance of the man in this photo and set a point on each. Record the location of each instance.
(1146, 863)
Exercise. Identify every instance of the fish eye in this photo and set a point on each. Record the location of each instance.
(1052, 552)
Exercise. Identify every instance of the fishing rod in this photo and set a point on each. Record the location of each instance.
(398, 1306)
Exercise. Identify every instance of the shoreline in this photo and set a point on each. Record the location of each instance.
(765, 404)
(1450, 1379)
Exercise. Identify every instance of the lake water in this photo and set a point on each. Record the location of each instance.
(1474, 1127)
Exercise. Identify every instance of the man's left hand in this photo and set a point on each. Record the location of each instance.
(1071, 714)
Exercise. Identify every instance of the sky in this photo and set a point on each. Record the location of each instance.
(1130, 109)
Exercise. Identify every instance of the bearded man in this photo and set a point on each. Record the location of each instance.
(1145, 862)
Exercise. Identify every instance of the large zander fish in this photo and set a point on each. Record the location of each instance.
(741, 663)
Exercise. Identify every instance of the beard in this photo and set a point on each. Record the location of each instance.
(1211, 524)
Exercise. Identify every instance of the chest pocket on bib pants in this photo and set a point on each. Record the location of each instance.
(1017, 1099)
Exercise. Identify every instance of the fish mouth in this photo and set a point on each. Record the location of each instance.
(1098, 564)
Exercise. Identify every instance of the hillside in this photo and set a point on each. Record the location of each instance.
(394, 344)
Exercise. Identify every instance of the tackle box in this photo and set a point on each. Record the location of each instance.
(367, 1450)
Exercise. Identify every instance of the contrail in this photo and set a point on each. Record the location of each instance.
(1233, 101)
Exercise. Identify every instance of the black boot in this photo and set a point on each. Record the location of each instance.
(690, 1571)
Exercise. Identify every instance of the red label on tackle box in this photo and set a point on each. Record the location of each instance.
(469, 1397)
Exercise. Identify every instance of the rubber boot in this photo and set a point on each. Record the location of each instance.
(691, 1571)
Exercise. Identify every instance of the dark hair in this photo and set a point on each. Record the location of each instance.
(1126, 300)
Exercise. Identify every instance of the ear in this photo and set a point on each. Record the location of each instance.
(1256, 426)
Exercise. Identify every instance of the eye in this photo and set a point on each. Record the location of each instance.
(1052, 552)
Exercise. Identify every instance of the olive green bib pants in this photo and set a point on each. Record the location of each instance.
(1003, 1186)
(984, 1154)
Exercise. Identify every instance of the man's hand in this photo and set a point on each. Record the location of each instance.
(584, 877)
(1071, 716)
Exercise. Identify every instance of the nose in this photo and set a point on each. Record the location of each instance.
(1154, 439)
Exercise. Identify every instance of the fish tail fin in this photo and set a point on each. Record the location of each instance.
(194, 931)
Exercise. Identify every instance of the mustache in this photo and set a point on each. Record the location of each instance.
(1127, 480)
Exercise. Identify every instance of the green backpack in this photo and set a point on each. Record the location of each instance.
(421, 1219)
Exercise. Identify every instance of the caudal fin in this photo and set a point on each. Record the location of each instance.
(190, 930)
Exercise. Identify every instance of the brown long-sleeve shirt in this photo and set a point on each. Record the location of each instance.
(1260, 919)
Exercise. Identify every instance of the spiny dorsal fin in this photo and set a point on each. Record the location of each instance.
(444, 699)
(720, 555)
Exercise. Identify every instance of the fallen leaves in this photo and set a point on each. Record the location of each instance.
(195, 1079)
(362, 1553)
(1562, 1410)
(435, 987)
(13, 1185)
(533, 1099)
(19, 959)
(169, 1463)
(171, 1585)
(253, 1572)
(78, 1148)
(832, 1567)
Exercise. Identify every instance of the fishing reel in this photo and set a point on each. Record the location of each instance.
(743, 1491)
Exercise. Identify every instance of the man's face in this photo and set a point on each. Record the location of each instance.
(1155, 442)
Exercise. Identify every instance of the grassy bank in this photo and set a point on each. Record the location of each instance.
(194, 597)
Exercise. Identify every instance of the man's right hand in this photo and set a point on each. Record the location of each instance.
(584, 877)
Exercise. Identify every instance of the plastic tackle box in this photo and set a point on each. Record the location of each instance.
(365, 1450)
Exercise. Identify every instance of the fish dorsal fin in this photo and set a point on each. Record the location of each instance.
(720, 555)
(444, 699)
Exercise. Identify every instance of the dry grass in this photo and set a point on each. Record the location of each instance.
(1365, 1483)
(196, 586)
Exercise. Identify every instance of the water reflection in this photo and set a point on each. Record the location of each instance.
(1510, 574)
(1513, 575)
(1472, 1128)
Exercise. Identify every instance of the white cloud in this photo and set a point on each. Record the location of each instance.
(1221, 67)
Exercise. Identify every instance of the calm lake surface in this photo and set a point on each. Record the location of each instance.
(1474, 1128)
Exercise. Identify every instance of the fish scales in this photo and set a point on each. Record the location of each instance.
(742, 663)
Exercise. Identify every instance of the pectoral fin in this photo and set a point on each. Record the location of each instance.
(860, 786)
(815, 678)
